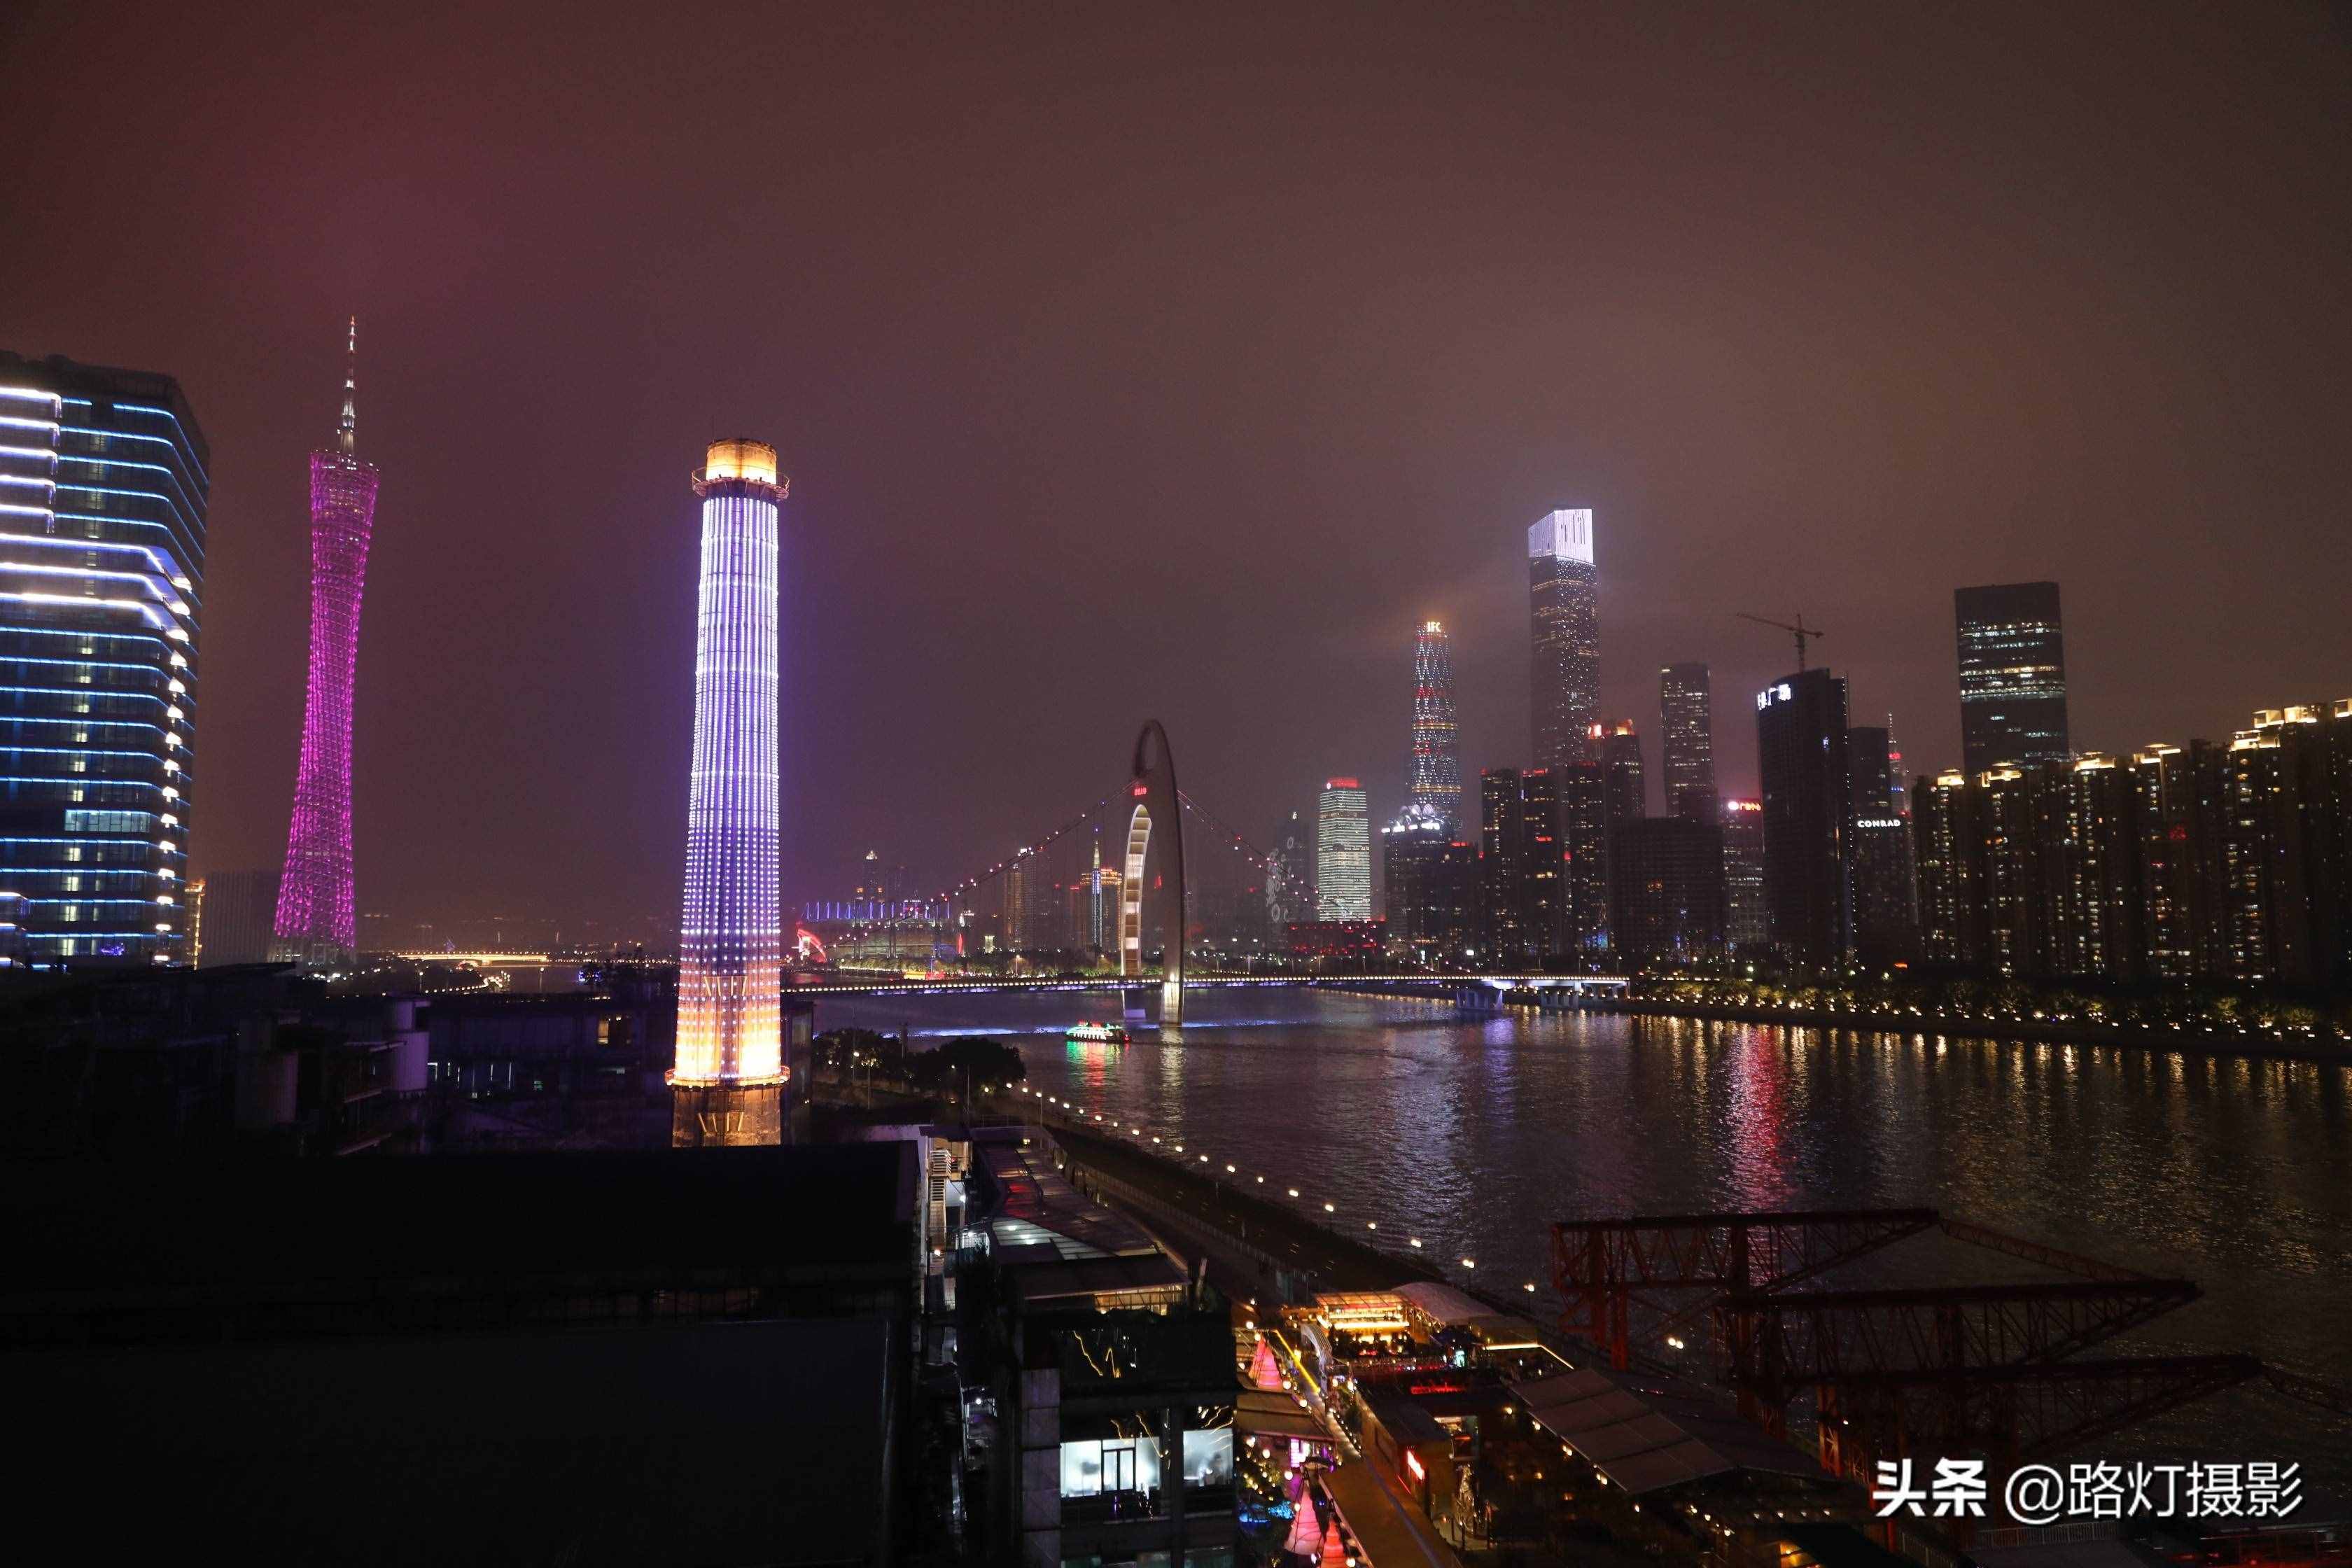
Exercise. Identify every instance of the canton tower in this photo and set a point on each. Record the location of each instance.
(728, 1085)
(314, 896)
(1436, 745)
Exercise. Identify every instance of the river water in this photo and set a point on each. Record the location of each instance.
(1474, 1134)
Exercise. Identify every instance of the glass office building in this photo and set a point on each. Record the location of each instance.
(102, 498)
(2012, 654)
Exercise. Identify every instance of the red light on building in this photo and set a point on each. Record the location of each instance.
(1341, 783)
(1412, 1463)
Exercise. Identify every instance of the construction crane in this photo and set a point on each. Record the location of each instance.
(1800, 631)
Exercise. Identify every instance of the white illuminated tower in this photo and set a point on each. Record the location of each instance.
(728, 1085)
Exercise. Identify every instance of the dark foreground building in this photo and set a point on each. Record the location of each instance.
(586, 1359)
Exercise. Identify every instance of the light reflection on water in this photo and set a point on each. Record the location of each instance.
(1474, 1133)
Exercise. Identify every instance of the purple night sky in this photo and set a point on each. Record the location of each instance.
(1173, 363)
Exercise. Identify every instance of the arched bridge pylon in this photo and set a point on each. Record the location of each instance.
(1152, 792)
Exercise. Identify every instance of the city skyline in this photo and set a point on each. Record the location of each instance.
(533, 621)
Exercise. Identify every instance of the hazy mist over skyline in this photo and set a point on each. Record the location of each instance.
(1175, 365)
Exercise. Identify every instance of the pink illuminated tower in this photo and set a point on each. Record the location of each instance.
(314, 897)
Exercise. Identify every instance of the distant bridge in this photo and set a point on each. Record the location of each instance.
(953, 985)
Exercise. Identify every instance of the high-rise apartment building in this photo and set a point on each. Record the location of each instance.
(1746, 921)
(2013, 675)
(2224, 861)
(2092, 855)
(314, 919)
(1687, 729)
(1436, 778)
(1565, 586)
(103, 491)
(1801, 725)
(1343, 853)
(728, 1085)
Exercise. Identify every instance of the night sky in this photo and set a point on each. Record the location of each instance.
(1172, 362)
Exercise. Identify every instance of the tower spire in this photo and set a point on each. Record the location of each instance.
(347, 435)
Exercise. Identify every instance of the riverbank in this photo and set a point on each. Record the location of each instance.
(1893, 1020)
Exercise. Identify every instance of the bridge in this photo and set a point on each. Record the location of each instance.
(957, 986)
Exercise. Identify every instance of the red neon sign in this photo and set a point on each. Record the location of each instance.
(1412, 1463)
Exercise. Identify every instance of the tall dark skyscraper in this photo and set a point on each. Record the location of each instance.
(1800, 740)
(2013, 675)
(102, 497)
(1746, 922)
(1665, 888)
(1584, 838)
(1436, 744)
(1623, 792)
(1431, 880)
(1565, 587)
(1687, 728)
(1543, 863)
(1502, 850)
(1869, 758)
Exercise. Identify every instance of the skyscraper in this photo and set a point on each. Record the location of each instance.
(103, 498)
(1502, 848)
(1431, 878)
(1687, 723)
(2013, 675)
(1565, 587)
(1343, 853)
(314, 895)
(1746, 922)
(1290, 875)
(1543, 863)
(1807, 815)
(1870, 765)
(1436, 747)
(729, 1081)
(1665, 888)
(1623, 791)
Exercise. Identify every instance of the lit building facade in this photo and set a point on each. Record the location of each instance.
(1746, 922)
(1436, 779)
(2223, 861)
(1343, 853)
(1290, 874)
(103, 491)
(2013, 653)
(1801, 725)
(729, 1076)
(314, 919)
(1686, 732)
(1564, 584)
